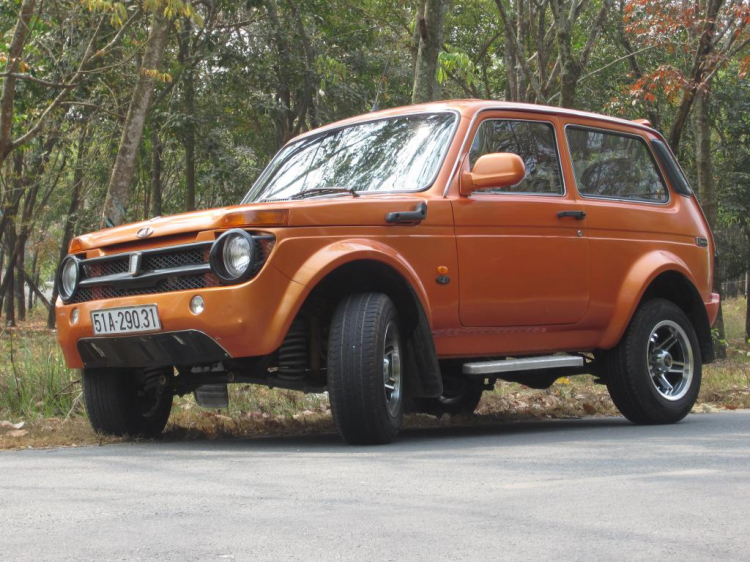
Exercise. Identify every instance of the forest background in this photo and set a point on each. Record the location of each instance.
(114, 112)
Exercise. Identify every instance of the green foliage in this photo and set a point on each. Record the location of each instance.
(240, 79)
(34, 380)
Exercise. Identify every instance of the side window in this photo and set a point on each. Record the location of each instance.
(533, 142)
(613, 165)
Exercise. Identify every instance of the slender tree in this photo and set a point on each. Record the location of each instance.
(118, 191)
(430, 26)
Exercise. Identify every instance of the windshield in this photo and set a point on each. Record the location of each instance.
(396, 154)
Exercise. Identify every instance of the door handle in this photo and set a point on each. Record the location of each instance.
(408, 217)
(578, 215)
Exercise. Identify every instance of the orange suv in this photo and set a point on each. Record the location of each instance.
(408, 259)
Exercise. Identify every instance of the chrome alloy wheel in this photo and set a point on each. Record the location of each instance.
(670, 360)
(392, 380)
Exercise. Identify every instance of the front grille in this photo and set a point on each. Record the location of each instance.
(177, 268)
(85, 294)
(168, 260)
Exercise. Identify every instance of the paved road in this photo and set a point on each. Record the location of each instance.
(595, 489)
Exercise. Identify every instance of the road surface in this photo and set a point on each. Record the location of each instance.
(593, 489)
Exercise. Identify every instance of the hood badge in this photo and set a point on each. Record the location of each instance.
(144, 232)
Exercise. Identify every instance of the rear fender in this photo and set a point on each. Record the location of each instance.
(638, 279)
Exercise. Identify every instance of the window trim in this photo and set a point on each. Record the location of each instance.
(655, 163)
(674, 172)
(451, 139)
(564, 193)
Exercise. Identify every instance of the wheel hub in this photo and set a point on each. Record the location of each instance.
(662, 361)
(392, 380)
(670, 360)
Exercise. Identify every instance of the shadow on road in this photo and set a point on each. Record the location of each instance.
(453, 437)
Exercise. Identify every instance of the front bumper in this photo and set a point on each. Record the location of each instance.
(244, 320)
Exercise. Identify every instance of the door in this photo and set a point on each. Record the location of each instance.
(522, 251)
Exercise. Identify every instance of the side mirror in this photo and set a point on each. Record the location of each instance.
(501, 169)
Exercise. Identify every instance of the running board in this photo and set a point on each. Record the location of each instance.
(527, 364)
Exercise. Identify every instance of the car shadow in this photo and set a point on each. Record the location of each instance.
(460, 435)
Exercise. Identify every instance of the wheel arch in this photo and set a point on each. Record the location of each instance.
(663, 276)
(357, 266)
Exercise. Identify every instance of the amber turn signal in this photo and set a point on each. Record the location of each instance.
(276, 217)
(75, 246)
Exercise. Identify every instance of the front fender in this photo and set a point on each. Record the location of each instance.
(332, 255)
(635, 283)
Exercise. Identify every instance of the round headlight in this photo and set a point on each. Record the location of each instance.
(232, 256)
(69, 277)
(237, 255)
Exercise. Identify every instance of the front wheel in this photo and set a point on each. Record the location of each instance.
(130, 402)
(654, 374)
(365, 373)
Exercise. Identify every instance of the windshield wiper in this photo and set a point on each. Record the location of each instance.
(323, 190)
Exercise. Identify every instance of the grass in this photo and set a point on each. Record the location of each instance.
(38, 390)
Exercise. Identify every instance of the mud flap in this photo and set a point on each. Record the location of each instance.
(424, 379)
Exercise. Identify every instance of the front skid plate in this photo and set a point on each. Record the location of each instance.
(187, 347)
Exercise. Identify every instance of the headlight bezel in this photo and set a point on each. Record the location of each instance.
(66, 295)
(218, 264)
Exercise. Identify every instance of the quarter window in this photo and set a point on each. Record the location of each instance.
(612, 165)
(534, 142)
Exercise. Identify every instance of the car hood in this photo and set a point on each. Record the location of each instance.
(323, 211)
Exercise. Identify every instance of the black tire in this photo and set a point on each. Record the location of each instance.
(461, 395)
(629, 371)
(118, 403)
(360, 403)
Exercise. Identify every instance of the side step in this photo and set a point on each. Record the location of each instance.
(527, 364)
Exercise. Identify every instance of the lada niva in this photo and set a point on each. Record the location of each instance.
(406, 260)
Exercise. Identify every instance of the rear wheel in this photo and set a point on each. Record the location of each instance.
(132, 402)
(654, 374)
(365, 378)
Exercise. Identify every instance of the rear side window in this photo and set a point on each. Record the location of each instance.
(616, 166)
(669, 165)
(534, 142)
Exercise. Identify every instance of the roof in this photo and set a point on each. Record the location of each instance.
(469, 107)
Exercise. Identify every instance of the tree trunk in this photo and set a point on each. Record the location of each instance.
(426, 87)
(7, 287)
(118, 192)
(188, 105)
(706, 189)
(415, 37)
(70, 220)
(747, 288)
(189, 144)
(156, 187)
(34, 278)
(17, 43)
(572, 64)
(20, 285)
(283, 115)
(34, 288)
(509, 58)
(695, 78)
(9, 281)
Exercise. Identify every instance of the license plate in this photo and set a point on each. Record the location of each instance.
(126, 320)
